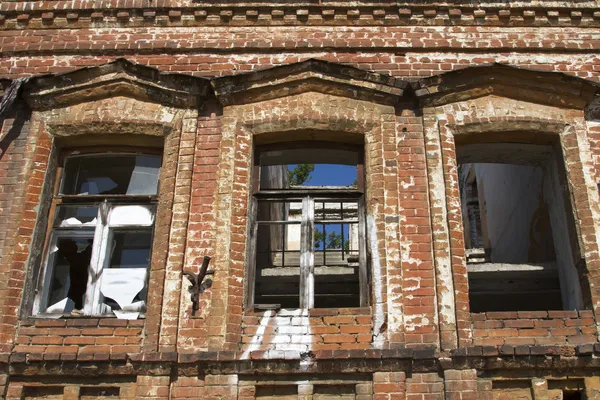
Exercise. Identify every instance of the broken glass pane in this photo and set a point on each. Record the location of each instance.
(111, 175)
(131, 249)
(73, 216)
(124, 215)
(124, 282)
(71, 259)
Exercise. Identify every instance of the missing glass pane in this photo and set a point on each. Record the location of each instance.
(71, 260)
(278, 253)
(336, 232)
(308, 243)
(131, 249)
(336, 260)
(336, 254)
(111, 175)
(44, 392)
(124, 282)
(303, 168)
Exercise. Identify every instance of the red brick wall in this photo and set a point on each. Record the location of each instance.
(420, 287)
(326, 329)
(533, 328)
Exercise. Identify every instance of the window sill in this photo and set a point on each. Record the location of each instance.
(83, 320)
(539, 314)
(314, 312)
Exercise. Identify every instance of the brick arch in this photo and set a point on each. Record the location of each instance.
(243, 125)
(307, 124)
(507, 129)
(103, 126)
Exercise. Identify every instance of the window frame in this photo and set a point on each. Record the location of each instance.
(101, 232)
(307, 197)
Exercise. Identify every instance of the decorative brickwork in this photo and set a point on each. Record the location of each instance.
(422, 89)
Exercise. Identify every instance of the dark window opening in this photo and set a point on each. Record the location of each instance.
(516, 227)
(334, 392)
(283, 392)
(308, 241)
(97, 393)
(44, 392)
(70, 273)
(569, 389)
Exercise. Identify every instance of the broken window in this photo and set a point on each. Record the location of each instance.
(308, 233)
(519, 244)
(100, 241)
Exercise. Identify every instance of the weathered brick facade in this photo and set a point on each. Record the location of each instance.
(414, 83)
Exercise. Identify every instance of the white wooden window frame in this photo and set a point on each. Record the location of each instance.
(114, 213)
(102, 234)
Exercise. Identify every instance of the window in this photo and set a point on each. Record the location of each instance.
(568, 389)
(519, 245)
(318, 387)
(308, 232)
(99, 244)
(277, 392)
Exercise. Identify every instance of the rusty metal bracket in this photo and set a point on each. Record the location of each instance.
(197, 285)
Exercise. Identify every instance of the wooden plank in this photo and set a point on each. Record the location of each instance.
(307, 255)
(318, 194)
(278, 222)
(541, 268)
(360, 171)
(256, 172)
(362, 257)
(251, 255)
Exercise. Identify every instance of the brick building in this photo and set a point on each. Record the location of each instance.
(139, 136)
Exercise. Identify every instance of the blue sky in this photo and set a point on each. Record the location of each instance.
(331, 175)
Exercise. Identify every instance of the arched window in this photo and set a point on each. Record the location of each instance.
(308, 247)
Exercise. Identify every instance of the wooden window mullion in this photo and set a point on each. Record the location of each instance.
(253, 232)
(92, 293)
(362, 254)
(307, 257)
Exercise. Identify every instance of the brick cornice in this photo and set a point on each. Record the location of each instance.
(142, 13)
(489, 358)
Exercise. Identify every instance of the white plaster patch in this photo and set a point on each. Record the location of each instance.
(166, 115)
(379, 317)
(412, 322)
(406, 185)
(437, 193)
(257, 338)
